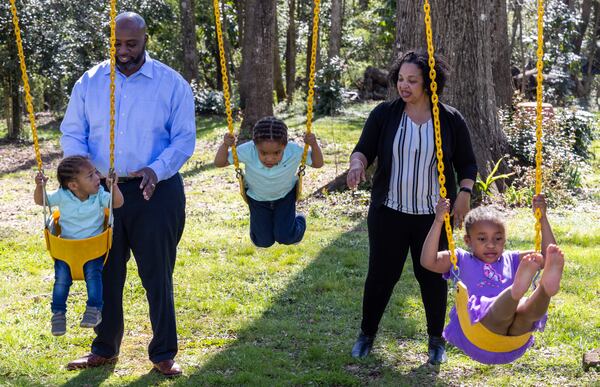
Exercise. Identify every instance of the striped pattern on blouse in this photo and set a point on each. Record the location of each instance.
(414, 186)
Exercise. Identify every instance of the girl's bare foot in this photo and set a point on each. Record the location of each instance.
(528, 266)
(553, 268)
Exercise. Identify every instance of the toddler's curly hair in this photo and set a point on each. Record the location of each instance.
(270, 129)
(69, 168)
(483, 213)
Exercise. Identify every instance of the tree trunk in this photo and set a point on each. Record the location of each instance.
(257, 62)
(277, 76)
(588, 77)
(586, 9)
(335, 32)
(410, 27)
(501, 54)
(188, 34)
(13, 92)
(290, 52)
(461, 32)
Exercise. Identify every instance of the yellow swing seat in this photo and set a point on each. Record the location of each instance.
(77, 252)
(478, 334)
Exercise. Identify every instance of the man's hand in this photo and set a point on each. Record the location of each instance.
(149, 181)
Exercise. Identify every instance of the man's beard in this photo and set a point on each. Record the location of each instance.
(131, 64)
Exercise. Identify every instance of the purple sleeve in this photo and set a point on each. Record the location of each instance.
(514, 257)
(459, 255)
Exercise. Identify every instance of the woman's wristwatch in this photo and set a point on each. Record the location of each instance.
(466, 189)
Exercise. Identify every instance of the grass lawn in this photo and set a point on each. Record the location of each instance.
(287, 315)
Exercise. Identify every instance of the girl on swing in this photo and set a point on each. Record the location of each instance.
(497, 280)
(81, 201)
(270, 175)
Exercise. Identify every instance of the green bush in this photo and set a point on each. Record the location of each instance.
(566, 140)
(207, 101)
(329, 87)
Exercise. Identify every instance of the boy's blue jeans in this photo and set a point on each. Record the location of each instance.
(276, 221)
(92, 271)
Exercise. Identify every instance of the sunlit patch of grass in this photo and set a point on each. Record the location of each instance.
(286, 315)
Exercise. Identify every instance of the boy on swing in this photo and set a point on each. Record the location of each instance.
(81, 201)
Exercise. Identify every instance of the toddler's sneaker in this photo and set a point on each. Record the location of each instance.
(59, 323)
(91, 317)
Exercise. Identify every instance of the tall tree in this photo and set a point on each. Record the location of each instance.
(462, 32)
(277, 76)
(503, 85)
(256, 80)
(335, 31)
(188, 35)
(290, 52)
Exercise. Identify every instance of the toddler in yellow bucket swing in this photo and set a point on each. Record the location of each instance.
(81, 201)
(497, 280)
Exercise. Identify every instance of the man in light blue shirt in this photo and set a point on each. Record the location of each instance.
(155, 135)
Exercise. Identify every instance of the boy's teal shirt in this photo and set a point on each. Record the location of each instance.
(80, 219)
(268, 184)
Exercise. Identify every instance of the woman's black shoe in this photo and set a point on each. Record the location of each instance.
(363, 346)
(437, 350)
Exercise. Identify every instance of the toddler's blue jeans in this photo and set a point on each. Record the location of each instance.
(92, 271)
(276, 221)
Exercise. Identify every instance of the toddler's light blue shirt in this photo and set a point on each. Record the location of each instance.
(80, 219)
(268, 184)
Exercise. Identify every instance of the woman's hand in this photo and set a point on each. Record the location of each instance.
(356, 173)
(462, 205)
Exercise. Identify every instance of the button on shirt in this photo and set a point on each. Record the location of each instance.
(154, 113)
(80, 219)
(268, 184)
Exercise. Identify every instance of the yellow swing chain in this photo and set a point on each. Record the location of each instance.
(311, 93)
(25, 78)
(113, 13)
(227, 96)
(438, 138)
(27, 88)
(538, 121)
(113, 60)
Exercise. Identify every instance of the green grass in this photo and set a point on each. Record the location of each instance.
(287, 315)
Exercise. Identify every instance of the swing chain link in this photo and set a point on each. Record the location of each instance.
(112, 52)
(538, 121)
(438, 138)
(225, 80)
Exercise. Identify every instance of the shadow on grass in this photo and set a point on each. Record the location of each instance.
(306, 335)
(28, 163)
(91, 376)
(197, 169)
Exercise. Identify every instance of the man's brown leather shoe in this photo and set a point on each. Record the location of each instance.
(89, 361)
(168, 367)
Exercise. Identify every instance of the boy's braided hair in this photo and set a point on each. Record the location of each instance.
(270, 129)
(483, 213)
(69, 168)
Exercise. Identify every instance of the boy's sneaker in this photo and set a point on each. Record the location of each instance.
(91, 317)
(59, 324)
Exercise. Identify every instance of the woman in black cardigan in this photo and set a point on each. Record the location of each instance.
(405, 190)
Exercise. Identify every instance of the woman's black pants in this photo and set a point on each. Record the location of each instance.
(391, 234)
